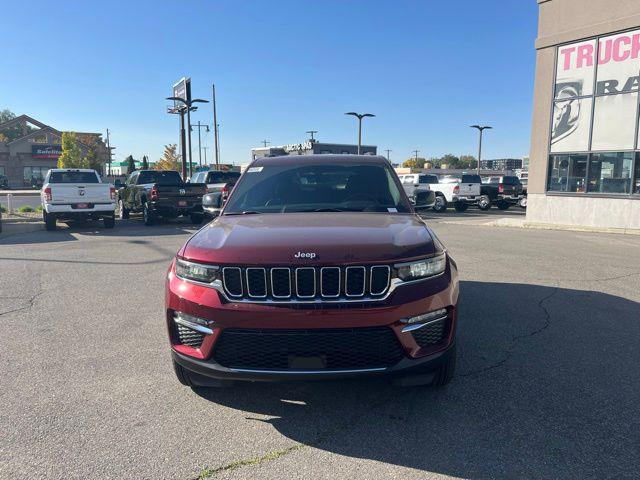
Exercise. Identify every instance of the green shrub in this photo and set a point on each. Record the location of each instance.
(39, 208)
(26, 209)
(3, 209)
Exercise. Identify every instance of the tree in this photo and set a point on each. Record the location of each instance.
(414, 162)
(145, 163)
(131, 164)
(3, 138)
(71, 156)
(91, 158)
(16, 131)
(6, 115)
(468, 161)
(170, 159)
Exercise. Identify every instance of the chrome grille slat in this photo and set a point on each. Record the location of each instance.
(308, 284)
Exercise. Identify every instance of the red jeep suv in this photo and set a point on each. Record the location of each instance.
(317, 267)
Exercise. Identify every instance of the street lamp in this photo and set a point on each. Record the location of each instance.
(480, 129)
(200, 127)
(188, 106)
(360, 116)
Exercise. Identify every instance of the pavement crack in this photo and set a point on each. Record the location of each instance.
(517, 338)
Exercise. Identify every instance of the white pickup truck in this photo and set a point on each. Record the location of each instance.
(71, 194)
(459, 192)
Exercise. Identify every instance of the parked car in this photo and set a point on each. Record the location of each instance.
(216, 179)
(318, 267)
(523, 199)
(502, 191)
(160, 193)
(457, 191)
(213, 202)
(76, 195)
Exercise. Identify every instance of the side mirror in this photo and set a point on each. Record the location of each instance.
(424, 199)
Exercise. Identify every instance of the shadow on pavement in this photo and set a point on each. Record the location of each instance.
(547, 387)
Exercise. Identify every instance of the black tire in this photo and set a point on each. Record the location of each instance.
(522, 203)
(109, 222)
(181, 374)
(147, 215)
(461, 206)
(124, 213)
(446, 371)
(502, 205)
(49, 221)
(440, 204)
(484, 203)
(196, 218)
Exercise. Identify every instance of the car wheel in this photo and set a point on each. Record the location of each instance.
(196, 218)
(440, 204)
(502, 205)
(484, 203)
(109, 222)
(522, 203)
(49, 221)
(446, 371)
(147, 215)
(124, 213)
(461, 206)
(181, 374)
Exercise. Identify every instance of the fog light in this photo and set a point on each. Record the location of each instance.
(425, 317)
(195, 323)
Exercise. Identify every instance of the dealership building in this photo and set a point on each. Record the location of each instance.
(29, 148)
(585, 149)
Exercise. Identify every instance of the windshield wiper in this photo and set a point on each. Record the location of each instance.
(245, 212)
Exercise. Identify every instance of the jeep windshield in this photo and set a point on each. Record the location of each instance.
(317, 188)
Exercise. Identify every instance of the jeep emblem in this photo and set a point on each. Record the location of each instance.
(182, 191)
(310, 255)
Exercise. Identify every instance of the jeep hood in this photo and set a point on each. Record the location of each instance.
(334, 238)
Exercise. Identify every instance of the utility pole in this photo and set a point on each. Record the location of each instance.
(109, 150)
(215, 127)
(416, 153)
(388, 150)
(205, 154)
(265, 143)
(200, 127)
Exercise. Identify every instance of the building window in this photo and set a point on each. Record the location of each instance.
(1, 170)
(34, 175)
(567, 173)
(610, 172)
(594, 112)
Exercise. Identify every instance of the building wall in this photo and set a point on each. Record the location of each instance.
(565, 21)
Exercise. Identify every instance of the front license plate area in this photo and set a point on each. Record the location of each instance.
(307, 363)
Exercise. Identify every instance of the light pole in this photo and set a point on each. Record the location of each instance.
(388, 151)
(188, 106)
(311, 132)
(480, 129)
(200, 127)
(205, 154)
(416, 154)
(360, 116)
(215, 127)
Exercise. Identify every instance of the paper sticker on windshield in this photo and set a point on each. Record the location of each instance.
(255, 169)
(392, 210)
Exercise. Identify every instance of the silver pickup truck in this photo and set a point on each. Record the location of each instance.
(457, 191)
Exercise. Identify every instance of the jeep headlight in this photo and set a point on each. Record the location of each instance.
(196, 272)
(422, 268)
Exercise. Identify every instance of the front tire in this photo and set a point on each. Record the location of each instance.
(181, 374)
(446, 371)
(440, 204)
(461, 206)
(502, 205)
(147, 215)
(522, 203)
(484, 203)
(196, 218)
(49, 221)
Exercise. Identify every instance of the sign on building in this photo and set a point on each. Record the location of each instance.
(46, 151)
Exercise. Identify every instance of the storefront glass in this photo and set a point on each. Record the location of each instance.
(610, 172)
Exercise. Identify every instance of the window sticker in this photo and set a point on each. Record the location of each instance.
(254, 169)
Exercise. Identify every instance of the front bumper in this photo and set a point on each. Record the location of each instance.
(436, 293)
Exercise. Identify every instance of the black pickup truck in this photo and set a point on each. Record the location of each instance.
(160, 193)
(501, 191)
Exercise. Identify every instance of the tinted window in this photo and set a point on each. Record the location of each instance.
(428, 179)
(73, 177)
(310, 188)
(510, 180)
(471, 179)
(168, 177)
(222, 177)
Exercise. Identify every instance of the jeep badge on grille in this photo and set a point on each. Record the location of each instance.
(310, 255)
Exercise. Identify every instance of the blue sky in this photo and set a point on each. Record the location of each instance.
(427, 69)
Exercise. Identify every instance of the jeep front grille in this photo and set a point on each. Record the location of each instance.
(306, 284)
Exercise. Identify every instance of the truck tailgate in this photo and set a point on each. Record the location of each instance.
(469, 189)
(80, 193)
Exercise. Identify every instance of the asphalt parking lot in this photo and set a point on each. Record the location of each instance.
(547, 383)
